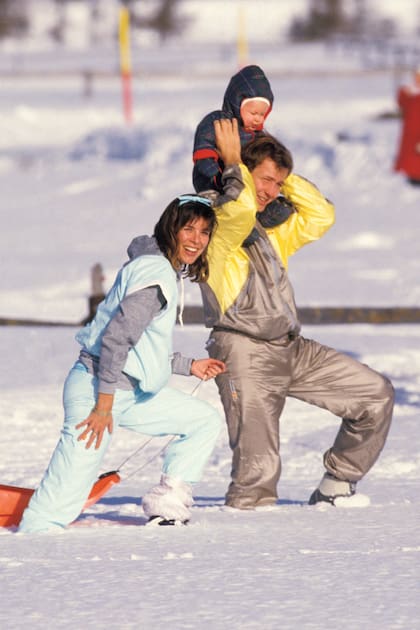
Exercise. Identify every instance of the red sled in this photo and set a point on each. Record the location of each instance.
(13, 500)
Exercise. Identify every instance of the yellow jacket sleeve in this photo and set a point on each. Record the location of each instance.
(314, 216)
(227, 260)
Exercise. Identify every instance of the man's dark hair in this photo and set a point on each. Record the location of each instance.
(256, 151)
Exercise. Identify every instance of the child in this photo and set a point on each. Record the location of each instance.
(249, 99)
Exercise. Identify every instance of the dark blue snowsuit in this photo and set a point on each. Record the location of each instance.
(208, 167)
(249, 82)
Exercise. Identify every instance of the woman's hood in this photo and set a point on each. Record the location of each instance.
(142, 245)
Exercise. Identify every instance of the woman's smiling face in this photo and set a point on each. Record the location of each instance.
(193, 239)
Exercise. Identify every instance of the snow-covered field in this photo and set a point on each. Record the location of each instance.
(77, 185)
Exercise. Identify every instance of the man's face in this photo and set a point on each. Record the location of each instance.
(268, 179)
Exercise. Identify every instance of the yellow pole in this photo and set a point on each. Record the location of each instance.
(125, 62)
(242, 44)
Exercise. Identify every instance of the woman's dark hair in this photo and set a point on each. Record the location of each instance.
(264, 147)
(178, 213)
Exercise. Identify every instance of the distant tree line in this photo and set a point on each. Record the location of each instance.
(325, 18)
(159, 15)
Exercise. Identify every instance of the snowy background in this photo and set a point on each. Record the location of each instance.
(77, 184)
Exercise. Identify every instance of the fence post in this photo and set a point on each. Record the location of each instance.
(97, 292)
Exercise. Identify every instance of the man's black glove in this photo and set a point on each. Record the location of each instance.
(276, 212)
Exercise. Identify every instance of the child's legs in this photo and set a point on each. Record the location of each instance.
(172, 412)
(73, 469)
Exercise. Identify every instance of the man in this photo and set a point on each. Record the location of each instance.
(249, 303)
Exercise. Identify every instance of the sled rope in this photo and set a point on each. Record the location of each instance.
(148, 461)
(146, 442)
(197, 387)
(138, 450)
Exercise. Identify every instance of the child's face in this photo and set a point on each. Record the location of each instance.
(253, 114)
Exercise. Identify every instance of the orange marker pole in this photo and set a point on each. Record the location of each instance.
(125, 63)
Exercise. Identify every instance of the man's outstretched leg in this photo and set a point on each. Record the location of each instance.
(363, 398)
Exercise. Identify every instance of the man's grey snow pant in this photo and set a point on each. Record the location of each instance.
(261, 374)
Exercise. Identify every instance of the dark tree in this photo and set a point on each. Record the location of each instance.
(159, 15)
(13, 18)
(324, 18)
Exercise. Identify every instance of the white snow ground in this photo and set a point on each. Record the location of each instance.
(76, 185)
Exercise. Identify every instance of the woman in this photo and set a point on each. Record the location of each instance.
(122, 373)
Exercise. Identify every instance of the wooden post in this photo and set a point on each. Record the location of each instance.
(97, 291)
(87, 83)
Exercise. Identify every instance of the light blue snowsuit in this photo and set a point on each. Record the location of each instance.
(149, 407)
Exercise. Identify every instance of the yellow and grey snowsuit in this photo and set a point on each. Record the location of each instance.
(249, 302)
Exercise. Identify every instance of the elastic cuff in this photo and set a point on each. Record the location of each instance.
(106, 388)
